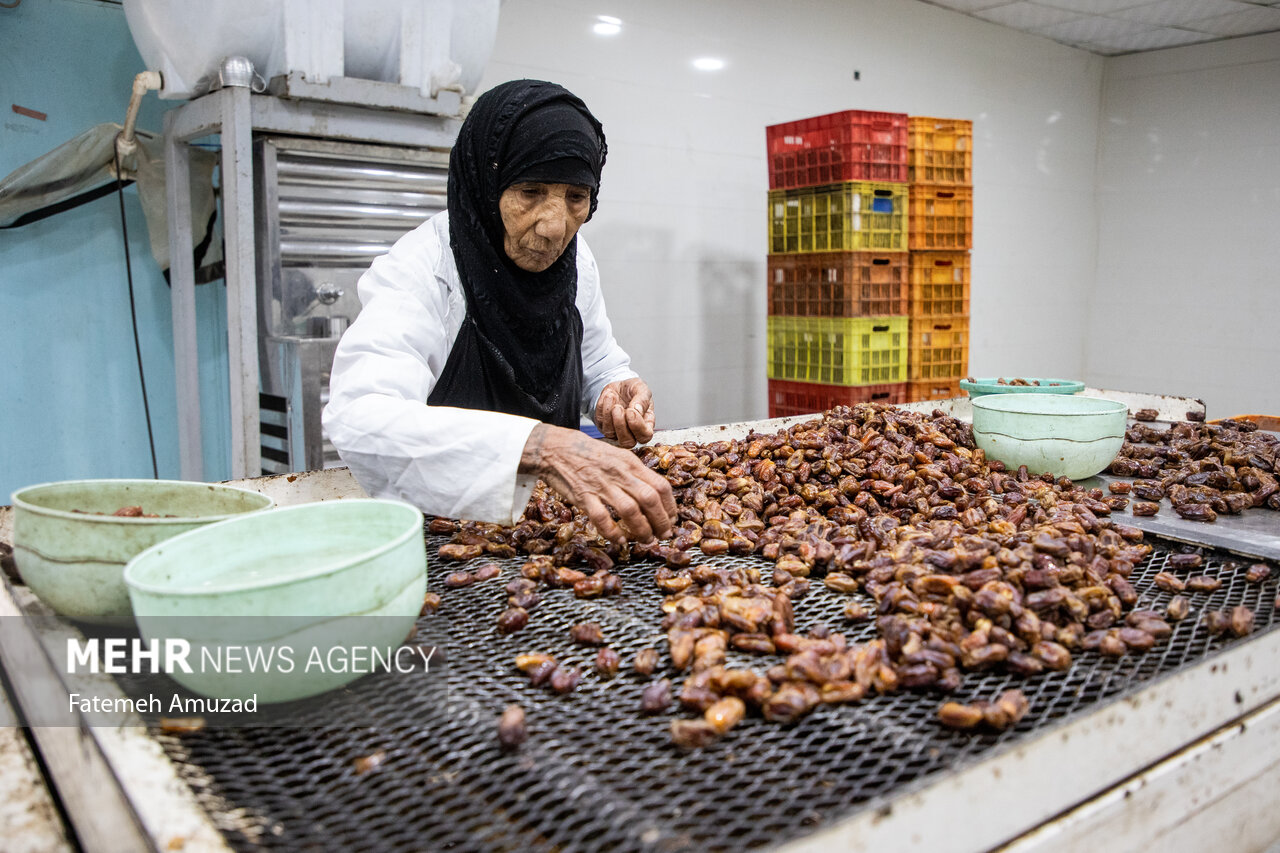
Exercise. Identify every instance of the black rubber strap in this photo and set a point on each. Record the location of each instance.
(64, 205)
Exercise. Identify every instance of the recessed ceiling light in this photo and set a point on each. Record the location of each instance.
(708, 63)
(607, 25)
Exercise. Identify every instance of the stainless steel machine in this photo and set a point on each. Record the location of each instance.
(324, 209)
(318, 188)
(335, 120)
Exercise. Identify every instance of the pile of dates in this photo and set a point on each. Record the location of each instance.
(964, 566)
(1203, 469)
(550, 558)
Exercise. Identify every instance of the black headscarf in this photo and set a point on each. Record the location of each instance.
(519, 348)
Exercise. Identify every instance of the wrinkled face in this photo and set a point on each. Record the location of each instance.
(540, 220)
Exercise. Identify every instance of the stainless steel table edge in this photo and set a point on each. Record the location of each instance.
(119, 789)
(29, 818)
(1216, 794)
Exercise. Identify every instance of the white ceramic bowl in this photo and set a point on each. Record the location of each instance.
(322, 578)
(71, 550)
(1065, 435)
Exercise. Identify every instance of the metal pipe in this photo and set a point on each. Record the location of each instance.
(126, 144)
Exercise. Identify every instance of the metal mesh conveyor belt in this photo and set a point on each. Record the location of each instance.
(597, 775)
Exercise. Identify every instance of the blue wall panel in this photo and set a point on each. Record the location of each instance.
(70, 401)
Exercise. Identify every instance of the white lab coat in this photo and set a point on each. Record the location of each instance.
(459, 463)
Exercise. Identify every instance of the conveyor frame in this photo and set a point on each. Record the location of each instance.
(1190, 758)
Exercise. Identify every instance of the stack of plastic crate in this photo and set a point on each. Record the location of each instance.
(940, 235)
(838, 273)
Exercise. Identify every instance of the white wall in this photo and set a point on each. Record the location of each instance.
(681, 230)
(1187, 294)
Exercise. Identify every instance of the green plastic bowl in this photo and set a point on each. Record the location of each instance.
(326, 579)
(981, 387)
(1068, 436)
(74, 560)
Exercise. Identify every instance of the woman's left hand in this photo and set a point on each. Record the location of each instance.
(624, 412)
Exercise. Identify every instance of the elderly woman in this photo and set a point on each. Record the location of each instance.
(483, 337)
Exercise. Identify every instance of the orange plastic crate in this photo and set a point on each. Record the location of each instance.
(838, 284)
(939, 284)
(940, 150)
(803, 398)
(938, 390)
(938, 348)
(853, 145)
(941, 217)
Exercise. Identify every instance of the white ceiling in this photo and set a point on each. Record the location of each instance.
(1113, 27)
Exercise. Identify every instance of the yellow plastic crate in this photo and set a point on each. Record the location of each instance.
(939, 150)
(941, 217)
(939, 284)
(855, 216)
(939, 348)
(848, 351)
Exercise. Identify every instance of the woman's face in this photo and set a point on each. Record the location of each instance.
(540, 220)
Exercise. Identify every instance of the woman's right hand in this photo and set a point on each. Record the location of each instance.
(595, 476)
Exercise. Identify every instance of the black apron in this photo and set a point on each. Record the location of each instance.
(470, 381)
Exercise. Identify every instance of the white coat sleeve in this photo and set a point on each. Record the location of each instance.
(603, 361)
(459, 463)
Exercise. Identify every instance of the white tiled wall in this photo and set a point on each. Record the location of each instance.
(1187, 294)
(681, 230)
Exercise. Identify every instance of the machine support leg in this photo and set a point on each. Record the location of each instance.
(186, 361)
(242, 303)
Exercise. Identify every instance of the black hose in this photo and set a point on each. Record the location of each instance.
(133, 314)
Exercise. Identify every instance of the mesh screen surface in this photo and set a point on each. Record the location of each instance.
(595, 774)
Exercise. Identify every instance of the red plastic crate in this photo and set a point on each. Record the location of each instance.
(939, 390)
(941, 217)
(853, 145)
(804, 398)
(838, 284)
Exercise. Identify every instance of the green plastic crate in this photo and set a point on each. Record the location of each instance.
(848, 351)
(856, 216)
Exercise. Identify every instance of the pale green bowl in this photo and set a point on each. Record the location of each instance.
(324, 579)
(982, 387)
(1065, 435)
(74, 560)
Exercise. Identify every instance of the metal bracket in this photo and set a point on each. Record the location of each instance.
(366, 93)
